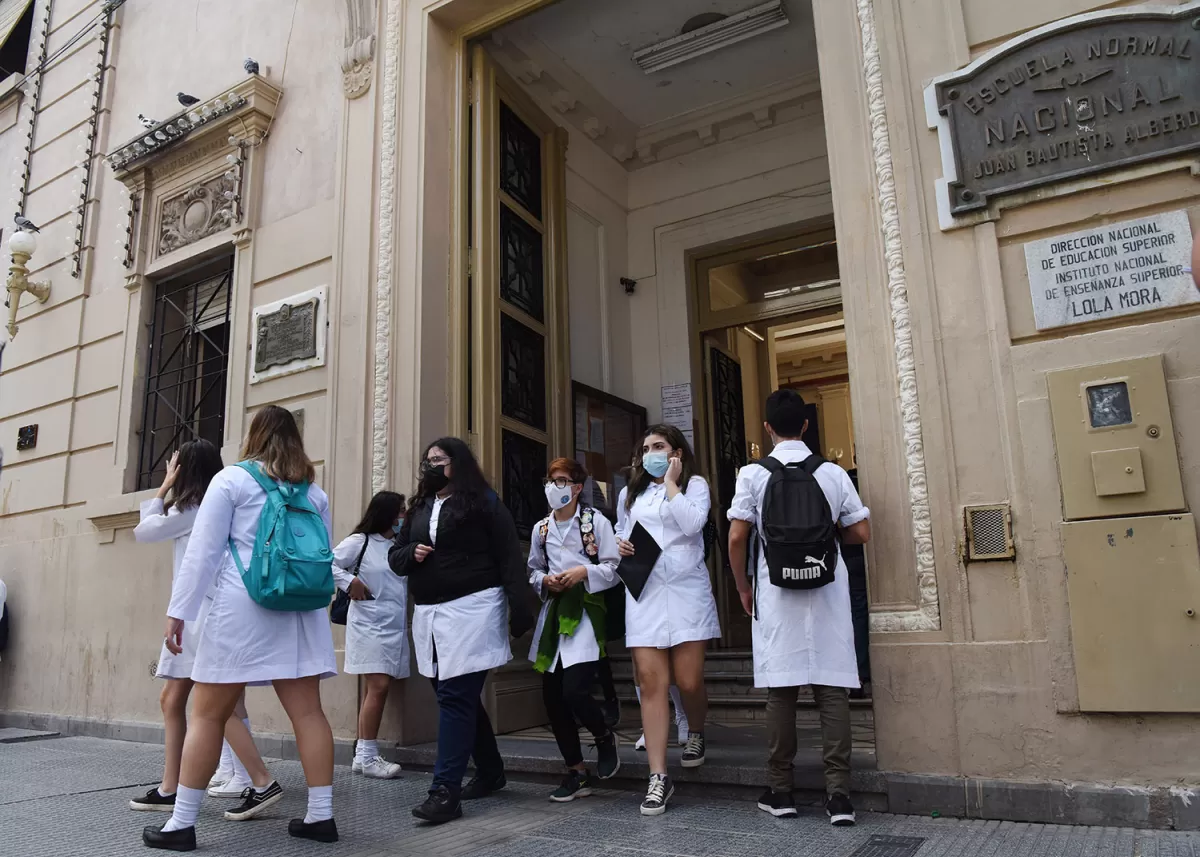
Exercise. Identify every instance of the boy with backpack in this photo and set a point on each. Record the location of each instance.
(790, 505)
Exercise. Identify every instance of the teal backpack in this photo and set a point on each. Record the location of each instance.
(292, 566)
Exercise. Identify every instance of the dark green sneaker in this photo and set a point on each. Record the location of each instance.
(575, 784)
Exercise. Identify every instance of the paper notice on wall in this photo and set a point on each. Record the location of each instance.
(581, 423)
(677, 409)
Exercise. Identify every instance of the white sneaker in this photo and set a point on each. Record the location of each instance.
(221, 777)
(356, 766)
(641, 743)
(684, 732)
(379, 769)
(233, 788)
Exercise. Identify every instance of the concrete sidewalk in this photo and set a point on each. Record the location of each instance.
(68, 796)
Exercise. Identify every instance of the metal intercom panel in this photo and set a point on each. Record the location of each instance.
(1115, 440)
(1134, 586)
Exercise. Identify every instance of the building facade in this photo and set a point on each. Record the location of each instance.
(959, 228)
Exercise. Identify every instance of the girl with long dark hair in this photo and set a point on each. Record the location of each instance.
(668, 627)
(459, 550)
(244, 642)
(170, 515)
(376, 623)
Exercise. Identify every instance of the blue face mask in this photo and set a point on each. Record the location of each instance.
(656, 463)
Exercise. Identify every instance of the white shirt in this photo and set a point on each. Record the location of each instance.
(677, 605)
(564, 548)
(800, 636)
(377, 628)
(157, 525)
(433, 518)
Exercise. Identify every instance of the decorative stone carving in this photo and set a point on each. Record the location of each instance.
(388, 145)
(197, 213)
(358, 60)
(927, 616)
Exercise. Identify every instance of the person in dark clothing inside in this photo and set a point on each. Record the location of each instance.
(466, 575)
(856, 564)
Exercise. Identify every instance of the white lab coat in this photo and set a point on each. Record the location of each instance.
(242, 642)
(802, 636)
(463, 636)
(376, 630)
(157, 525)
(565, 551)
(677, 605)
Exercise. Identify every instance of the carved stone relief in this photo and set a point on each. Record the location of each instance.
(358, 60)
(197, 213)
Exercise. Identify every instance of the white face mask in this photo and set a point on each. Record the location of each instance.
(558, 497)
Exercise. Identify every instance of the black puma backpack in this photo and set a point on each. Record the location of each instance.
(797, 527)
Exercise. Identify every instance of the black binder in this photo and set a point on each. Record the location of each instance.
(635, 570)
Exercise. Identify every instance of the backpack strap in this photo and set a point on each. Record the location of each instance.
(543, 529)
(587, 533)
(769, 464)
(812, 464)
(256, 471)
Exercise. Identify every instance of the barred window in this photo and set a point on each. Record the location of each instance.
(186, 366)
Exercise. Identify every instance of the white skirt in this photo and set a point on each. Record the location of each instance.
(180, 666)
(243, 643)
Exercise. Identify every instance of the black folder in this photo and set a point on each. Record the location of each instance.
(635, 570)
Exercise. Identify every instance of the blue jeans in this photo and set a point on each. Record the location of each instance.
(464, 732)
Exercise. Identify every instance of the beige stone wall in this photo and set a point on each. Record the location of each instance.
(88, 605)
(992, 693)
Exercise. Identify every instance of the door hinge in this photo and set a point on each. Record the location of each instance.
(470, 266)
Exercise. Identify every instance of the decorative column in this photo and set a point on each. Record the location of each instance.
(358, 60)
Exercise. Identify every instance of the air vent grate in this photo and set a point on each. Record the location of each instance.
(988, 533)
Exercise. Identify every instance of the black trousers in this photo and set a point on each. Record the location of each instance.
(464, 732)
(567, 693)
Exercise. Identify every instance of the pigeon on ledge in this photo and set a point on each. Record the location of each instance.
(147, 123)
(250, 65)
(25, 224)
(187, 100)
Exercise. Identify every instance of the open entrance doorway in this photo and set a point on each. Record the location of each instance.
(601, 143)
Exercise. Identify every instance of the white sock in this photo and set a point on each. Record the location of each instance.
(226, 763)
(367, 750)
(677, 701)
(320, 804)
(161, 793)
(187, 807)
(240, 774)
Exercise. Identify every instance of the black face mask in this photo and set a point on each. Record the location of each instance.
(433, 477)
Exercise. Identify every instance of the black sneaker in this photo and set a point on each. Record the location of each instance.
(840, 810)
(477, 788)
(439, 807)
(608, 762)
(176, 840)
(152, 801)
(255, 802)
(575, 784)
(693, 753)
(658, 793)
(778, 804)
(318, 831)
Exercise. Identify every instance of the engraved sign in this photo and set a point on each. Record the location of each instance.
(1078, 97)
(1111, 271)
(286, 335)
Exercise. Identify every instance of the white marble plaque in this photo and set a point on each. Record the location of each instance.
(1111, 271)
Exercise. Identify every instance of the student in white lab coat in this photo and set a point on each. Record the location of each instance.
(376, 623)
(667, 629)
(459, 550)
(572, 561)
(244, 643)
(170, 515)
(801, 636)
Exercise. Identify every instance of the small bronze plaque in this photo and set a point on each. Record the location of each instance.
(27, 437)
(1090, 94)
(286, 335)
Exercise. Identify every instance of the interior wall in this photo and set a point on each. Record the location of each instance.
(749, 351)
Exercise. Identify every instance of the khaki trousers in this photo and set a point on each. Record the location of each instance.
(833, 703)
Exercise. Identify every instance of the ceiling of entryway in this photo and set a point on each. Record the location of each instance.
(596, 40)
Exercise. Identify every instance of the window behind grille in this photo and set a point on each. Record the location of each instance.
(187, 363)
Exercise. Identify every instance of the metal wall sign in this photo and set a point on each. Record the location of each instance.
(1078, 97)
(1120, 269)
(289, 336)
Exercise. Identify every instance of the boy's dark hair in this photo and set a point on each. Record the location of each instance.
(786, 413)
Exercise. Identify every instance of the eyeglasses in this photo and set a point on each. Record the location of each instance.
(437, 462)
(560, 482)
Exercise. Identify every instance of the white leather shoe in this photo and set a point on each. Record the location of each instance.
(233, 788)
(641, 743)
(380, 769)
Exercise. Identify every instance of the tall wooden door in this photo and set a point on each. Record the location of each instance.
(723, 374)
(519, 363)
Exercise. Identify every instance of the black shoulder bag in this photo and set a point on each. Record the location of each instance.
(341, 602)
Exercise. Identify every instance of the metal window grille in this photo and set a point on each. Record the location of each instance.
(187, 363)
